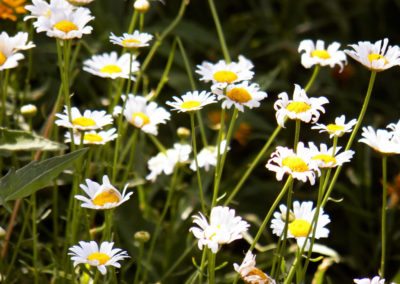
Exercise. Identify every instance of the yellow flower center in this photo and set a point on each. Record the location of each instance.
(320, 53)
(65, 26)
(376, 56)
(83, 121)
(92, 137)
(111, 69)
(298, 107)
(144, 118)
(130, 41)
(3, 58)
(106, 196)
(102, 258)
(299, 228)
(327, 159)
(240, 95)
(295, 164)
(257, 272)
(190, 104)
(225, 76)
(332, 128)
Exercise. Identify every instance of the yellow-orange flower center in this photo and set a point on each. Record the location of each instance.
(130, 41)
(83, 121)
(240, 95)
(92, 137)
(65, 26)
(3, 58)
(111, 69)
(298, 107)
(376, 56)
(106, 196)
(327, 159)
(188, 105)
(299, 228)
(102, 258)
(140, 119)
(332, 128)
(225, 76)
(295, 164)
(320, 53)
(257, 272)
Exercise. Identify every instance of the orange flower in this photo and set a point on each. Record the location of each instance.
(10, 8)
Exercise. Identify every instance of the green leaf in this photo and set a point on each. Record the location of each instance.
(34, 176)
(18, 140)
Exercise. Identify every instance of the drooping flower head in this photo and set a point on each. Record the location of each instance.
(92, 137)
(300, 222)
(240, 95)
(224, 228)
(102, 196)
(191, 101)
(9, 47)
(317, 54)
(300, 107)
(376, 56)
(101, 257)
(299, 165)
(337, 129)
(89, 120)
(250, 273)
(381, 140)
(135, 40)
(375, 280)
(110, 65)
(329, 158)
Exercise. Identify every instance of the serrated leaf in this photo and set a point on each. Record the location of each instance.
(34, 176)
(18, 140)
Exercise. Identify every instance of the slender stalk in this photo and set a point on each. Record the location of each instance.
(132, 154)
(211, 267)
(313, 76)
(4, 80)
(383, 217)
(218, 165)
(219, 31)
(139, 266)
(133, 22)
(34, 239)
(202, 263)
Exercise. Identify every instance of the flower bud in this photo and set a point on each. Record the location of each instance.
(2, 233)
(141, 6)
(142, 236)
(28, 110)
(183, 132)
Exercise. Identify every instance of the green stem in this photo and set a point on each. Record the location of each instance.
(133, 22)
(292, 269)
(34, 239)
(132, 150)
(219, 31)
(211, 267)
(312, 79)
(3, 115)
(157, 143)
(383, 217)
(139, 266)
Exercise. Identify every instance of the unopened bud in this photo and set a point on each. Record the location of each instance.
(142, 236)
(141, 6)
(2, 233)
(28, 110)
(183, 132)
(292, 217)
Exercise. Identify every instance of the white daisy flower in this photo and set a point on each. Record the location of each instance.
(145, 115)
(135, 40)
(90, 253)
(382, 141)
(224, 228)
(109, 65)
(92, 137)
(221, 73)
(250, 273)
(375, 280)
(317, 54)
(337, 129)
(300, 221)
(207, 157)
(20, 41)
(104, 196)
(89, 120)
(65, 24)
(327, 158)
(241, 94)
(191, 101)
(376, 56)
(41, 8)
(299, 165)
(300, 107)
(9, 47)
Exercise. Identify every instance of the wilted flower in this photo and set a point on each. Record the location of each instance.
(337, 129)
(250, 273)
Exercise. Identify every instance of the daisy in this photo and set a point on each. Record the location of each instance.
(375, 280)
(135, 40)
(381, 141)
(90, 253)
(300, 107)
(328, 158)
(109, 65)
(145, 115)
(250, 273)
(241, 94)
(41, 8)
(300, 222)
(191, 101)
(9, 47)
(224, 228)
(221, 73)
(299, 165)
(89, 120)
(376, 56)
(92, 137)
(65, 24)
(20, 41)
(104, 196)
(207, 157)
(337, 129)
(317, 54)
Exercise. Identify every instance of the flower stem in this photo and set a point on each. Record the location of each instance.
(383, 217)
(211, 267)
(221, 37)
(312, 79)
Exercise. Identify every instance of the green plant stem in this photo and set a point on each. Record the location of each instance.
(108, 225)
(292, 271)
(139, 266)
(133, 22)
(157, 143)
(312, 79)
(34, 239)
(353, 134)
(177, 262)
(132, 145)
(383, 217)
(211, 267)
(220, 32)
(253, 164)
(4, 80)
(199, 182)
(202, 263)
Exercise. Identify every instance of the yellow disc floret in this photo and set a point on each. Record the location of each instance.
(298, 107)
(295, 164)
(83, 121)
(188, 105)
(299, 228)
(142, 116)
(92, 137)
(101, 258)
(3, 58)
(65, 26)
(225, 76)
(106, 196)
(111, 69)
(239, 95)
(320, 53)
(130, 41)
(333, 128)
(327, 159)
(376, 56)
